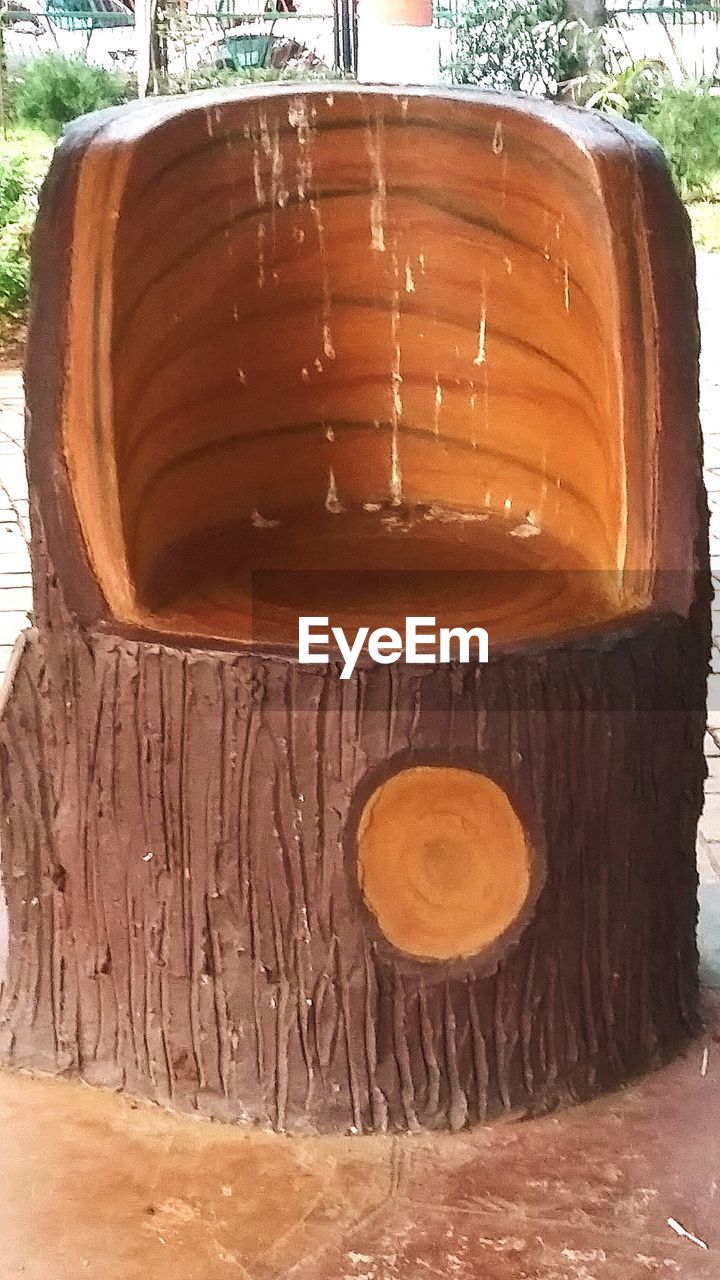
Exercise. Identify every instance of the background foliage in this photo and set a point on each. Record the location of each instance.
(528, 45)
(22, 166)
(686, 123)
(224, 78)
(684, 119)
(44, 95)
(510, 44)
(52, 90)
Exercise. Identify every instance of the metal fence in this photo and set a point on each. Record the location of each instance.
(190, 37)
(240, 35)
(196, 34)
(684, 34)
(261, 34)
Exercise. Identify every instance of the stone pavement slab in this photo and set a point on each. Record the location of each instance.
(96, 1185)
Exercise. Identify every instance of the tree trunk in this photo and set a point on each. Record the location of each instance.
(182, 900)
(592, 12)
(588, 59)
(204, 841)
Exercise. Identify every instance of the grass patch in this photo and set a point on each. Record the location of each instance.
(705, 219)
(34, 145)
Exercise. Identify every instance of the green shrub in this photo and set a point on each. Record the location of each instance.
(510, 44)
(13, 186)
(52, 90)
(684, 119)
(686, 123)
(630, 93)
(19, 185)
(14, 268)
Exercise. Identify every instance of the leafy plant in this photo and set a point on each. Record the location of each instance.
(684, 119)
(13, 186)
(686, 123)
(14, 268)
(19, 184)
(52, 90)
(633, 92)
(517, 44)
(216, 77)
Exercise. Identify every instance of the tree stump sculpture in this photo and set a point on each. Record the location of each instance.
(316, 351)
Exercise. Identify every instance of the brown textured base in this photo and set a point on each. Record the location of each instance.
(93, 1185)
(185, 922)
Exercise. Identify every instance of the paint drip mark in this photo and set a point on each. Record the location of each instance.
(332, 501)
(482, 331)
(378, 199)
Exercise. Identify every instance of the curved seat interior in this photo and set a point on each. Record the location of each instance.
(363, 358)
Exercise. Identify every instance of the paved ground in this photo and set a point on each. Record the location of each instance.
(623, 1188)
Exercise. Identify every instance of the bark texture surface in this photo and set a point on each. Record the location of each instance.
(183, 908)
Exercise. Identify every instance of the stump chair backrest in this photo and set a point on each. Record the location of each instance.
(396, 331)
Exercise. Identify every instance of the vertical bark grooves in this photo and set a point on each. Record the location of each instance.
(183, 913)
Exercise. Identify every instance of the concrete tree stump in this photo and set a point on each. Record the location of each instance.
(363, 354)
